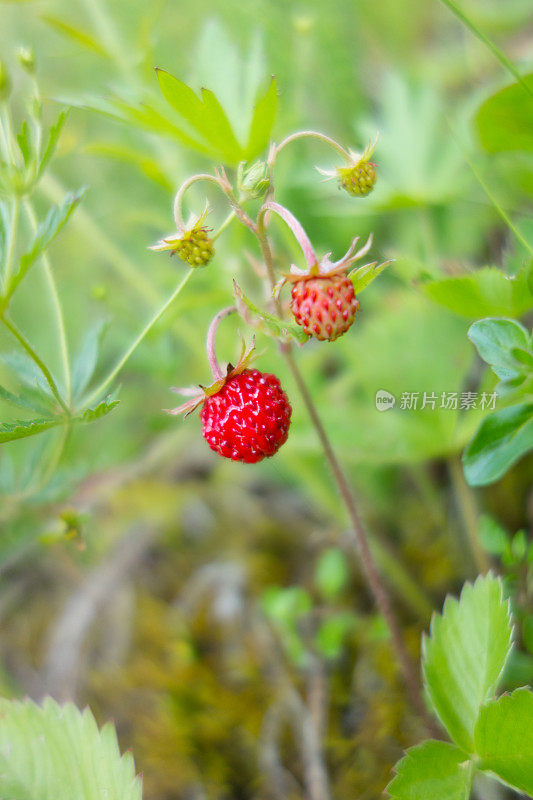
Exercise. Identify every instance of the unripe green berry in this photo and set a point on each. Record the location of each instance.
(26, 58)
(196, 248)
(358, 180)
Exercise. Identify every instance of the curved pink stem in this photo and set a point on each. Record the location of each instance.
(211, 335)
(296, 228)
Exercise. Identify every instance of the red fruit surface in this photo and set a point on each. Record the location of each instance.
(324, 307)
(248, 419)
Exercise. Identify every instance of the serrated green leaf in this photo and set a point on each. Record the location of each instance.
(99, 411)
(205, 115)
(502, 438)
(504, 739)
(262, 121)
(432, 771)
(25, 143)
(504, 120)
(495, 340)
(464, 656)
(51, 143)
(75, 34)
(267, 323)
(22, 429)
(486, 292)
(46, 232)
(55, 752)
(364, 275)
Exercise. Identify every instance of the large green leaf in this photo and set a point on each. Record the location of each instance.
(54, 752)
(432, 771)
(464, 656)
(495, 340)
(504, 120)
(206, 116)
(502, 438)
(483, 293)
(504, 739)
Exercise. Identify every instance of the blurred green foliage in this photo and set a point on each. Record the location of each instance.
(176, 657)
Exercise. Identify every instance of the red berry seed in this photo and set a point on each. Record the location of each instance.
(248, 419)
(324, 307)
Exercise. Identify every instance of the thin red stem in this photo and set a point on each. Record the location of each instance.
(296, 228)
(216, 369)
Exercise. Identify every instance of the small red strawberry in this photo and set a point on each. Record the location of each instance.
(324, 307)
(245, 413)
(248, 419)
(323, 296)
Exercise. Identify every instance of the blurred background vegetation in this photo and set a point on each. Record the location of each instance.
(207, 606)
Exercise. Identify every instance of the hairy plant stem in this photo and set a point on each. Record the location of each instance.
(359, 537)
(321, 137)
(19, 336)
(216, 369)
(58, 311)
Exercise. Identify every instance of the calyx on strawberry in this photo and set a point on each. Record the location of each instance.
(245, 413)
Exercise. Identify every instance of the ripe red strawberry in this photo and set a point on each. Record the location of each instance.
(325, 307)
(248, 418)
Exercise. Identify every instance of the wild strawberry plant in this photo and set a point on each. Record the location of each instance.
(246, 414)
(53, 400)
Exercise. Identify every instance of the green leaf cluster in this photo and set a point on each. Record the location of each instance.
(463, 660)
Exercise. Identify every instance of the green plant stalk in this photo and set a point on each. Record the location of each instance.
(10, 325)
(469, 516)
(58, 310)
(12, 242)
(502, 58)
(360, 540)
(136, 342)
(321, 137)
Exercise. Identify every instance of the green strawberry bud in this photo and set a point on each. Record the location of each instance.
(196, 248)
(26, 58)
